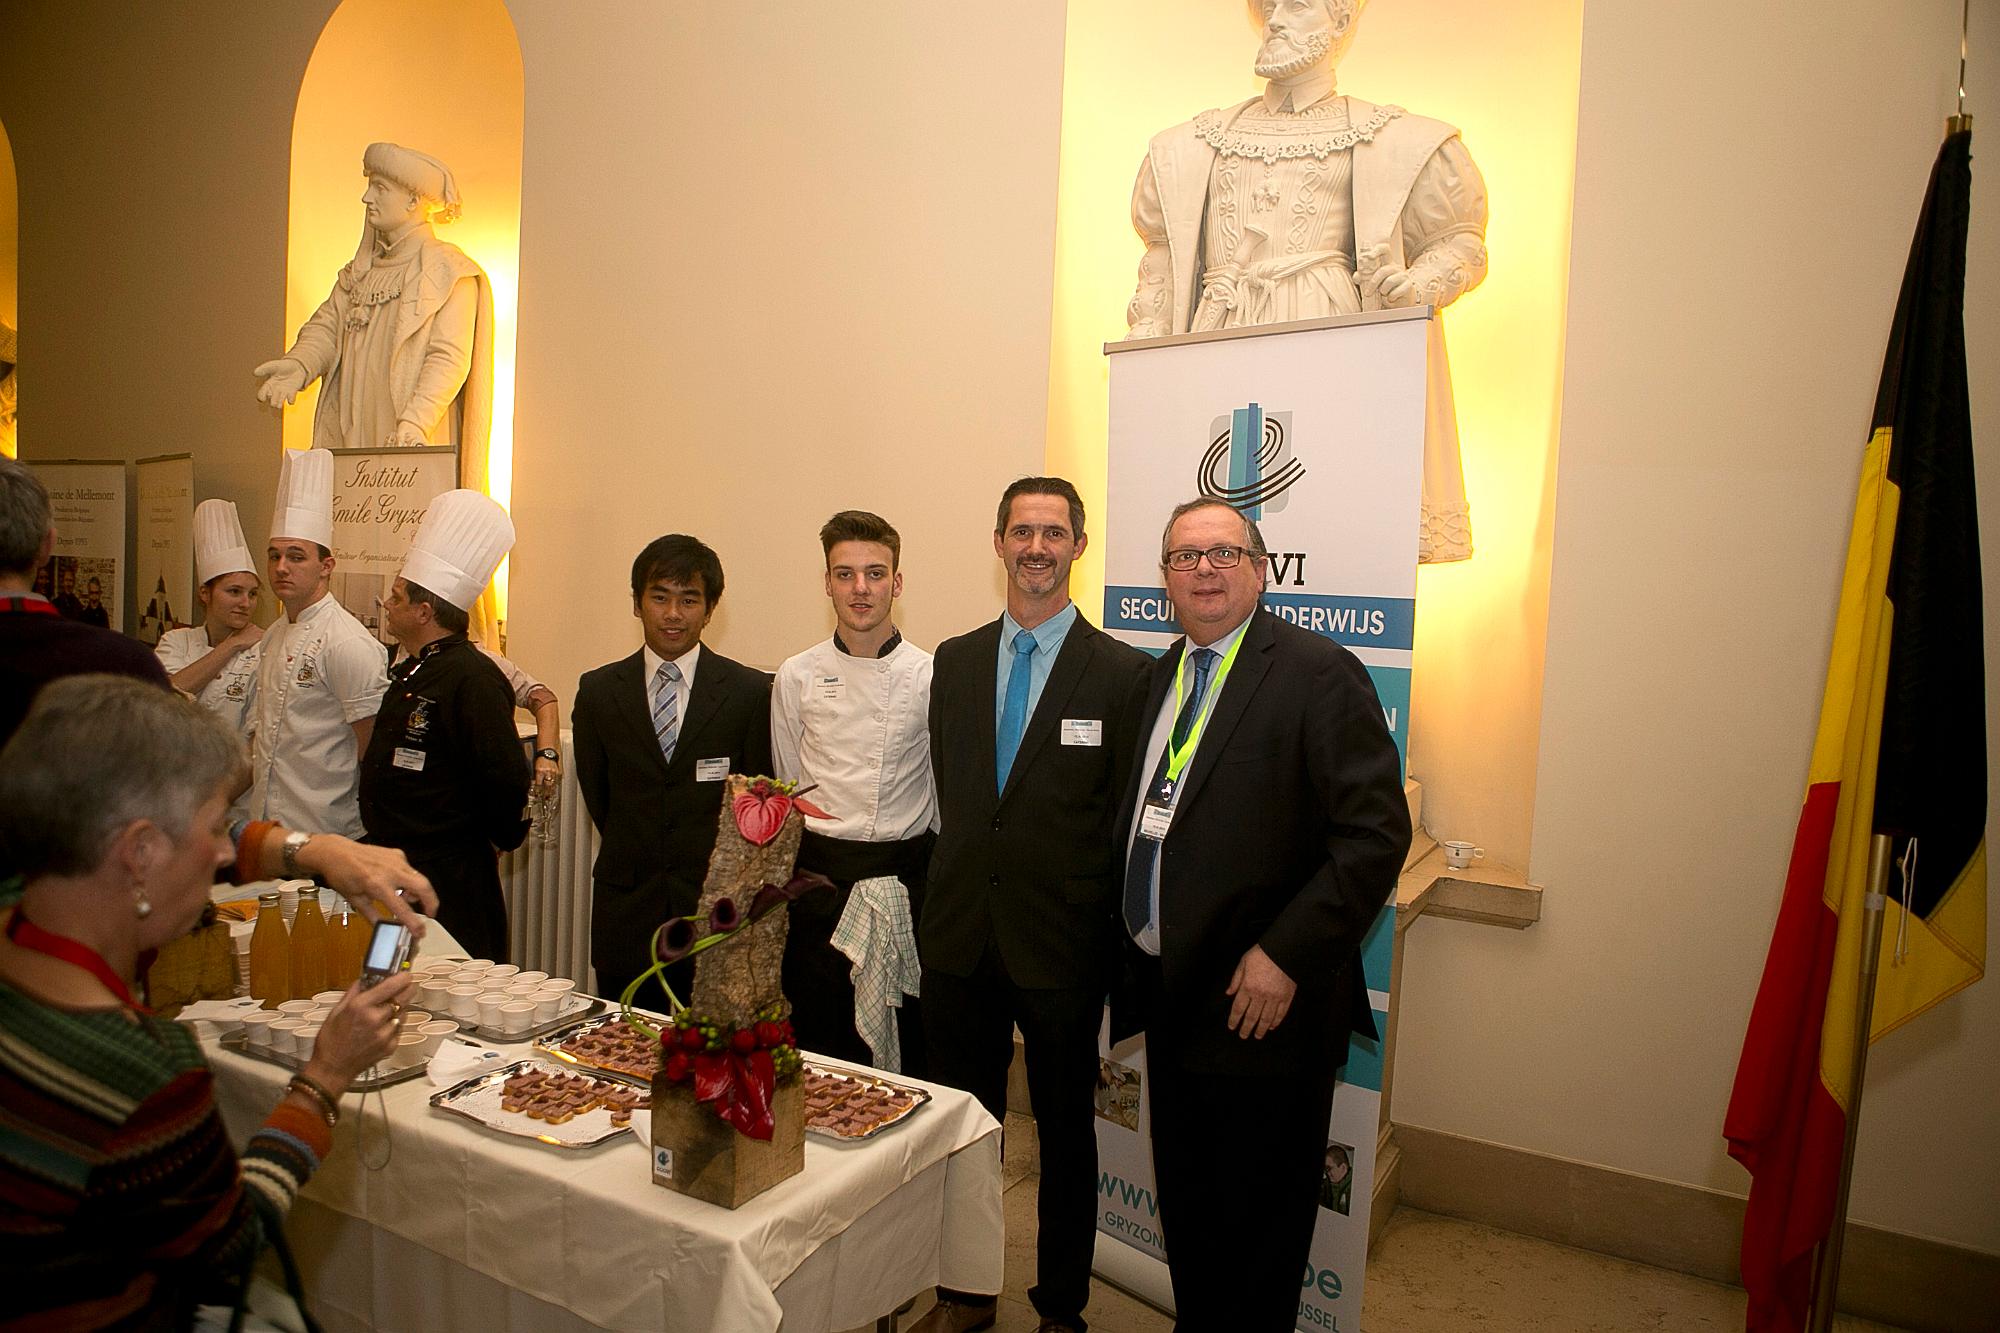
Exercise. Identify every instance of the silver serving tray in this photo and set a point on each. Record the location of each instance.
(478, 1100)
(367, 1082)
(549, 1045)
(581, 1006)
(918, 1097)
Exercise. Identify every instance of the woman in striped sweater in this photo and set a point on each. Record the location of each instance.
(122, 1204)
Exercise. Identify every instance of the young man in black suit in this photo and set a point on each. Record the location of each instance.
(656, 733)
(1033, 721)
(1263, 829)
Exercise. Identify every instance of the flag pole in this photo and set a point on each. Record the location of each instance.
(1826, 1277)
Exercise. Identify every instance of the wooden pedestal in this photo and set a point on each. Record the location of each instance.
(696, 1154)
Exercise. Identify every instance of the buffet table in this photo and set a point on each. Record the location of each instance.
(468, 1228)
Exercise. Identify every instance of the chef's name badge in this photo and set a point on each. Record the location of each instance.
(1155, 820)
(405, 757)
(831, 688)
(1083, 731)
(711, 770)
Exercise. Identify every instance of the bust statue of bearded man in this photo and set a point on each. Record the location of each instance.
(405, 339)
(1299, 203)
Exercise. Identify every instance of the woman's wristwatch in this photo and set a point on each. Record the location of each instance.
(553, 756)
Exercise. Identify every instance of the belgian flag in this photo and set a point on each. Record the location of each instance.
(1901, 751)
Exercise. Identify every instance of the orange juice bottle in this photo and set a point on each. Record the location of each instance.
(309, 948)
(270, 954)
(359, 931)
(336, 952)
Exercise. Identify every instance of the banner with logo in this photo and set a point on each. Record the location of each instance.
(1316, 431)
(380, 497)
(85, 577)
(163, 546)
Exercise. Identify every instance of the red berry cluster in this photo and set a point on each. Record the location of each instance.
(691, 1035)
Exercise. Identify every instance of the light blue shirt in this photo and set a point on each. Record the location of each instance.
(1049, 636)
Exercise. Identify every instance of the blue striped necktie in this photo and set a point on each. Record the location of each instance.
(666, 709)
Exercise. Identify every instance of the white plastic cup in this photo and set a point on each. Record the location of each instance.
(559, 986)
(464, 1002)
(490, 1004)
(257, 1027)
(283, 1031)
(436, 992)
(409, 1050)
(501, 972)
(413, 1019)
(479, 965)
(547, 1005)
(434, 1033)
(329, 998)
(531, 976)
(304, 1040)
(296, 1008)
(517, 1015)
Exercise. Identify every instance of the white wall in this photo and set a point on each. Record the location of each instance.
(1748, 180)
(773, 268)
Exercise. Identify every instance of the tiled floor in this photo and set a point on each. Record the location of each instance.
(1429, 1274)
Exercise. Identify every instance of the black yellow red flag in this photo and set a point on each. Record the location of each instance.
(1901, 751)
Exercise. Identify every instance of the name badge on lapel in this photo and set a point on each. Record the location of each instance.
(711, 770)
(831, 688)
(1083, 731)
(405, 757)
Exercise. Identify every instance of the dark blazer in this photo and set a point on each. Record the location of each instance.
(657, 823)
(1289, 832)
(1032, 867)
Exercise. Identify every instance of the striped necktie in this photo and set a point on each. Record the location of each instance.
(666, 708)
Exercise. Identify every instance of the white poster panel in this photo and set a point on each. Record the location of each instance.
(1317, 432)
(380, 497)
(163, 546)
(85, 577)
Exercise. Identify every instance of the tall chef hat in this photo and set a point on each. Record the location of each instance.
(419, 172)
(304, 510)
(464, 537)
(219, 547)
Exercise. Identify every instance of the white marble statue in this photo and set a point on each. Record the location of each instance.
(1302, 203)
(404, 342)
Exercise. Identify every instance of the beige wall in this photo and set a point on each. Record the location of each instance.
(1748, 179)
(769, 272)
(151, 145)
(10, 234)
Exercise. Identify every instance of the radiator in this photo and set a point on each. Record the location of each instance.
(548, 888)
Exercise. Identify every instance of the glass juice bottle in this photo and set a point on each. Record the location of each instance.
(350, 943)
(270, 954)
(309, 948)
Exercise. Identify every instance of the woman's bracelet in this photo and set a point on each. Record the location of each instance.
(329, 1105)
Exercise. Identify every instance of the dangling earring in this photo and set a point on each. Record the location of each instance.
(142, 906)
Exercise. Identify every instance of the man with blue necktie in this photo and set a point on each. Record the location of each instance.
(1262, 829)
(1034, 720)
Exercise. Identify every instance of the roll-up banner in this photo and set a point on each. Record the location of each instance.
(163, 546)
(1317, 432)
(380, 497)
(85, 577)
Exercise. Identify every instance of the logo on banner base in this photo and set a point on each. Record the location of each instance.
(1249, 463)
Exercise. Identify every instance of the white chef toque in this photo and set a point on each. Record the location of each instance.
(464, 537)
(304, 511)
(219, 547)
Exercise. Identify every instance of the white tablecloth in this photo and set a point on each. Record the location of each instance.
(470, 1228)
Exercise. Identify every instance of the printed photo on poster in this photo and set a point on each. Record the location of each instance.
(1118, 1092)
(1336, 1184)
(86, 574)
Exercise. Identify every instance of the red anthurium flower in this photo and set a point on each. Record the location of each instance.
(760, 812)
(743, 1039)
(676, 1067)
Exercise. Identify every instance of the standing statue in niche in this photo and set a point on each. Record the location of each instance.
(404, 342)
(1301, 203)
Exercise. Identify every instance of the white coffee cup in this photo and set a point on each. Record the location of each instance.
(1459, 855)
(257, 1027)
(409, 1050)
(547, 1005)
(517, 1015)
(304, 1040)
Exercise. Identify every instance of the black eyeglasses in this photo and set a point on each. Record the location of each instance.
(1219, 557)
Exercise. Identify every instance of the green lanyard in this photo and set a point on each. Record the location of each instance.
(1177, 759)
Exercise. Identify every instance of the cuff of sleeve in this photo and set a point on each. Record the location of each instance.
(250, 850)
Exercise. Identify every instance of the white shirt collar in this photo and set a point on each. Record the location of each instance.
(1222, 645)
(687, 662)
